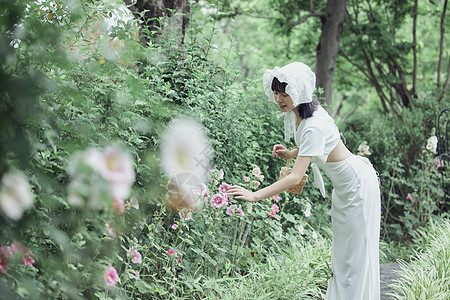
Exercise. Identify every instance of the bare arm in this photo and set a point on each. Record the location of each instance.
(298, 171)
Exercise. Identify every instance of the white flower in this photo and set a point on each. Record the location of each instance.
(314, 235)
(15, 194)
(432, 144)
(308, 210)
(116, 167)
(185, 149)
(301, 230)
(185, 155)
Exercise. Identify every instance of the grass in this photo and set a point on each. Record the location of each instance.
(427, 275)
(301, 271)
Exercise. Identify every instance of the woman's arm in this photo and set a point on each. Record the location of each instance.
(298, 171)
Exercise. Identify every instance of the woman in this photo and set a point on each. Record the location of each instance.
(356, 195)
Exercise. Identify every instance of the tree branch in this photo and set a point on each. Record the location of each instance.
(441, 46)
(306, 17)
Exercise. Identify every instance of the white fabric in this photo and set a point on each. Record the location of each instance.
(317, 136)
(301, 82)
(318, 180)
(356, 230)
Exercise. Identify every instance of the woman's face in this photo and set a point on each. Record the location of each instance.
(283, 100)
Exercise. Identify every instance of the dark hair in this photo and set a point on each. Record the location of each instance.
(305, 110)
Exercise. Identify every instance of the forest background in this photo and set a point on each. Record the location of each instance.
(88, 79)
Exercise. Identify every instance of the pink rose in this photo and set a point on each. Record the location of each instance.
(111, 276)
(256, 171)
(223, 188)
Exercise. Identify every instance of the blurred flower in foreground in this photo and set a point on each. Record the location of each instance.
(15, 194)
(171, 252)
(111, 276)
(101, 178)
(185, 155)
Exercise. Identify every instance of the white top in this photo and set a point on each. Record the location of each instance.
(317, 136)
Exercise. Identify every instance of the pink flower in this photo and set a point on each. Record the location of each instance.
(133, 203)
(256, 171)
(174, 226)
(272, 213)
(275, 208)
(135, 273)
(240, 211)
(111, 276)
(217, 201)
(179, 260)
(110, 229)
(231, 210)
(171, 252)
(185, 214)
(223, 188)
(256, 183)
(408, 196)
(276, 198)
(415, 201)
(118, 205)
(3, 264)
(204, 191)
(6, 252)
(27, 258)
(246, 179)
(136, 257)
(260, 178)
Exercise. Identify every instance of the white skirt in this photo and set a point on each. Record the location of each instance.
(355, 217)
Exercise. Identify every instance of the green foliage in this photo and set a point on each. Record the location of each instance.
(427, 276)
(405, 166)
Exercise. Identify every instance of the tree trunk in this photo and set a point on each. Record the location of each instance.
(175, 14)
(332, 26)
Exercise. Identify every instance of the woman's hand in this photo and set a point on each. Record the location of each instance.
(281, 151)
(242, 193)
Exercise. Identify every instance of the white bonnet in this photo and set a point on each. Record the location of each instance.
(300, 80)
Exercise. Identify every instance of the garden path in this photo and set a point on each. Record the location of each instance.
(388, 276)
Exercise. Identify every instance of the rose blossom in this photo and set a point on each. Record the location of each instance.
(111, 276)
(136, 257)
